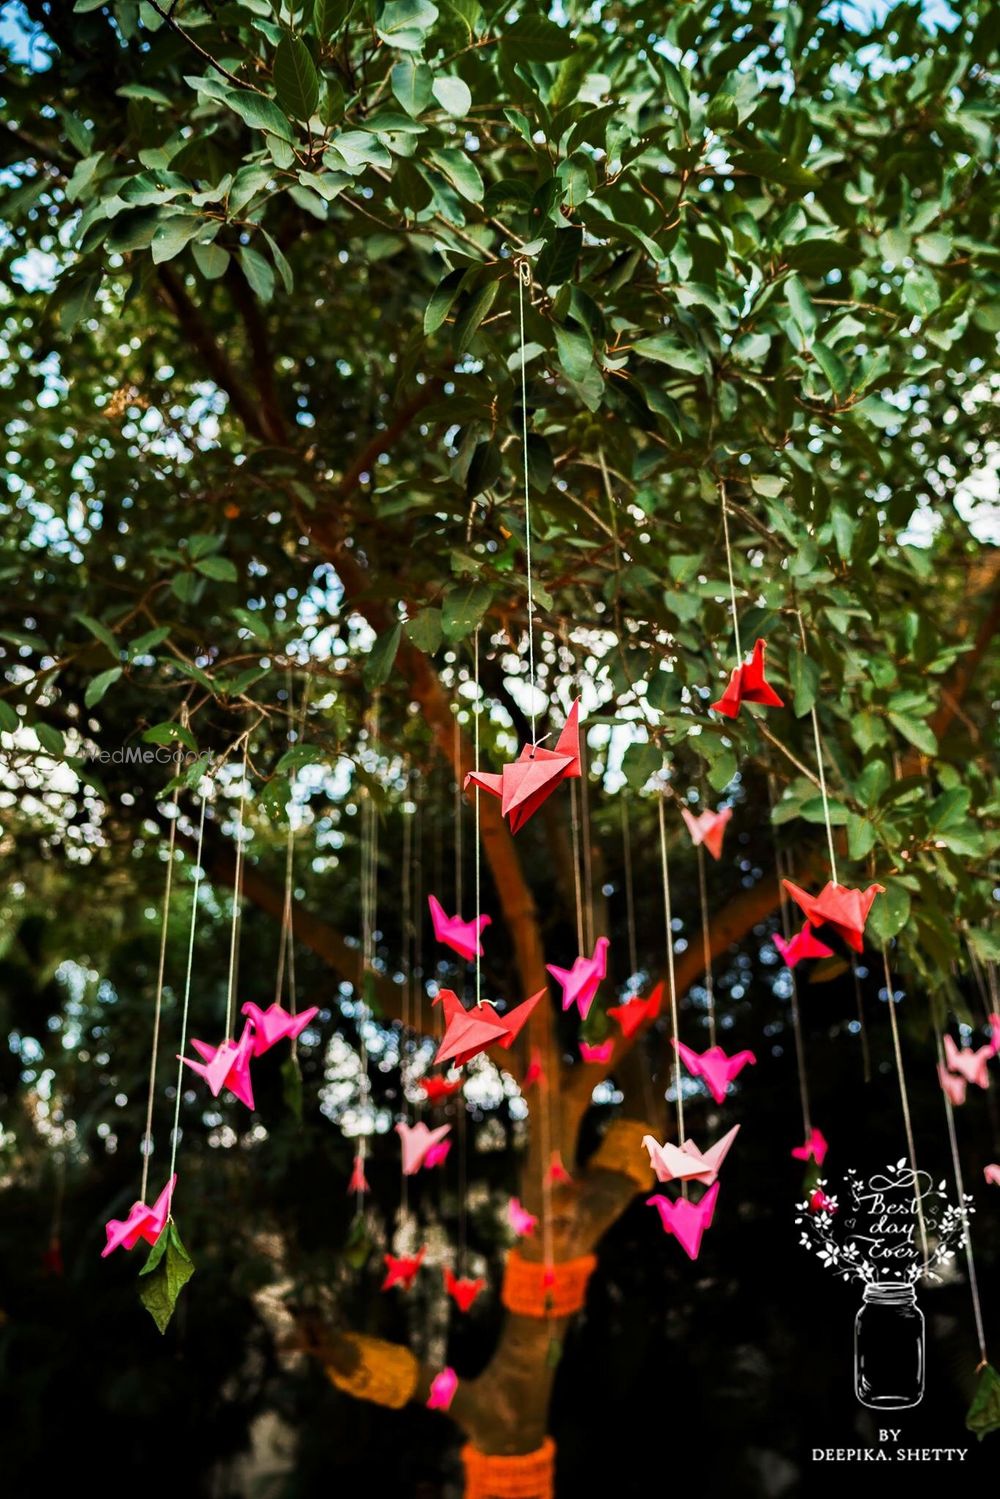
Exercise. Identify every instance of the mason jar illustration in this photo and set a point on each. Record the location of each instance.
(889, 1347)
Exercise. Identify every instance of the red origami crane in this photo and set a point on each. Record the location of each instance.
(524, 785)
(358, 1181)
(803, 945)
(748, 685)
(401, 1269)
(841, 908)
(437, 1089)
(468, 1032)
(708, 828)
(462, 1290)
(630, 1016)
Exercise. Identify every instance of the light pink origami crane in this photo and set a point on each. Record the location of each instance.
(227, 1065)
(401, 1269)
(521, 1221)
(686, 1220)
(994, 1033)
(142, 1222)
(536, 1071)
(358, 1181)
(713, 1066)
(952, 1084)
(748, 685)
(524, 785)
(630, 1016)
(419, 1143)
(708, 828)
(992, 1174)
(437, 1089)
(468, 1032)
(595, 1054)
(687, 1162)
(274, 1024)
(814, 1149)
(841, 908)
(802, 945)
(461, 936)
(820, 1203)
(443, 1387)
(557, 1172)
(968, 1063)
(461, 1289)
(581, 982)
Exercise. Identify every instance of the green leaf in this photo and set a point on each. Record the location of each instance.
(472, 314)
(219, 568)
(557, 261)
(872, 783)
(174, 235)
(259, 112)
(211, 260)
(425, 630)
(576, 354)
(666, 350)
(99, 686)
(817, 256)
(889, 913)
(258, 273)
(442, 300)
(832, 366)
(164, 1276)
(298, 755)
(296, 81)
(78, 300)
(460, 172)
(722, 113)
(453, 95)
(50, 739)
(101, 633)
(382, 657)
(463, 609)
(805, 676)
(919, 733)
(291, 1087)
(860, 836)
(413, 83)
(533, 38)
(722, 770)
(170, 734)
(639, 762)
(9, 720)
(984, 1412)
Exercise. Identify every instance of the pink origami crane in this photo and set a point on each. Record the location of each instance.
(557, 1172)
(992, 1174)
(274, 1024)
(401, 1269)
(708, 828)
(687, 1162)
(536, 1071)
(437, 1089)
(839, 907)
(461, 936)
(462, 1290)
(468, 1032)
(524, 785)
(952, 1084)
(968, 1063)
(521, 1221)
(686, 1220)
(748, 685)
(358, 1181)
(419, 1144)
(994, 1033)
(630, 1016)
(142, 1222)
(713, 1066)
(814, 1149)
(580, 983)
(802, 945)
(227, 1065)
(820, 1203)
(443, 1387)
(601, 1053)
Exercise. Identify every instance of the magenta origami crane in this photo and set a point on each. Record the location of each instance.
(437, 1089)
(686, 1220)
(708, 828)
(814, 1149)
(142, 1222)
(601, 1053)
(521, 1221)
(443, 1387)
(468, 1032)
(802, 945)
(524, 785)
(461, 1289)
(992, 1174)
(461, 936)
(273, 1024)
(581, 982)
(748, 685)
(227, 1065)
(968, 1063)
(358, 1181)
(401, 1269)
(713, 1066)
(421, 1146)
(630, 1016)
(687, 1162)
(841, 908)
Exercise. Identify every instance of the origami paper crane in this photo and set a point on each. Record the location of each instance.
(601, 1053)
(401, 1269)
(227, 1065)
(468, 1032)
(686, 1220)
(462, 1290)
(713, 1066)
(968, 1063)
(143, 1222)
(274, 1024)
(748, 685)
(358, 1181)
(994, 1021)
(418, 1143)
(461, 936)
(580, 983)
(802, 945)
(630, 1016)
(557, 1172)
(708, 828)
(814, 1149)
(992, 1174)
(820, 1203)
(687, 1162)
(443, 1387)
(521, 1221)
(839, 907)
(437, 1089)
(536, 1071)
(952, 1084)
(524, 785)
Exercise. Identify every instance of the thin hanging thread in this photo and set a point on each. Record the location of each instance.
(369, 896)
(574, 823)
(477, 867)
(820, 767)
(588, 867)
(782, 869)
(729, 566)
(668, 918)
(234, 934)
(706, 943)
(524, 279)
(147, 1139)
(186, 1005)
(956, 1166)
(457, 762)
(417, 918)
(904, 1097)
(633, 953)
(405, 1027)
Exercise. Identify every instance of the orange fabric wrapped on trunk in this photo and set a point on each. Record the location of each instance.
(535, 1290)
(528, 1475)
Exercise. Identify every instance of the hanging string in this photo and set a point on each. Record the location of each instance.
(147, 1139)
(729, 565)
(588, 868)
(417, 920)
(524, 279)
(459, 798)
(186, 1003)
(369, 898)
(574, 823)
(405, 1027)
(820, 768)
(668, 918)
(477, 841)
(783, 871)
(706, 943)
(904, 1097)
(956, 1166)
(234, 933)
(633, 954)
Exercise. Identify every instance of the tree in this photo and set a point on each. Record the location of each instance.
(269, 411)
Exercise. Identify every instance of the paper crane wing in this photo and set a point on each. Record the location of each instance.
(630, 1016)
(568, 742)
(516, 1019)
(485, 782)
(952, 1085)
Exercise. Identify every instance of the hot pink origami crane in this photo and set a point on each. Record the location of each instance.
(534, 775)
(227, 1065)
(713, 1066)
(686, 1220)
(708, 828)
(468, 1032)
(687, 1162)
(420, 1144)
(748, 685)
(968, 1063)
(437, 1089)
(581, 982)
(630, 1016)
(142, 1222)
(443, 1387)
(820, 1203)
(992, 1174)
(462, 1290)
(274, 1024)
(841, 908)
(521, 1221)
(802, 945)
(461, 936)
(952, 1084)
(601, 1053)
(536, 1071)
(814, 1149)
(401, 1269)
(358, 1181)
